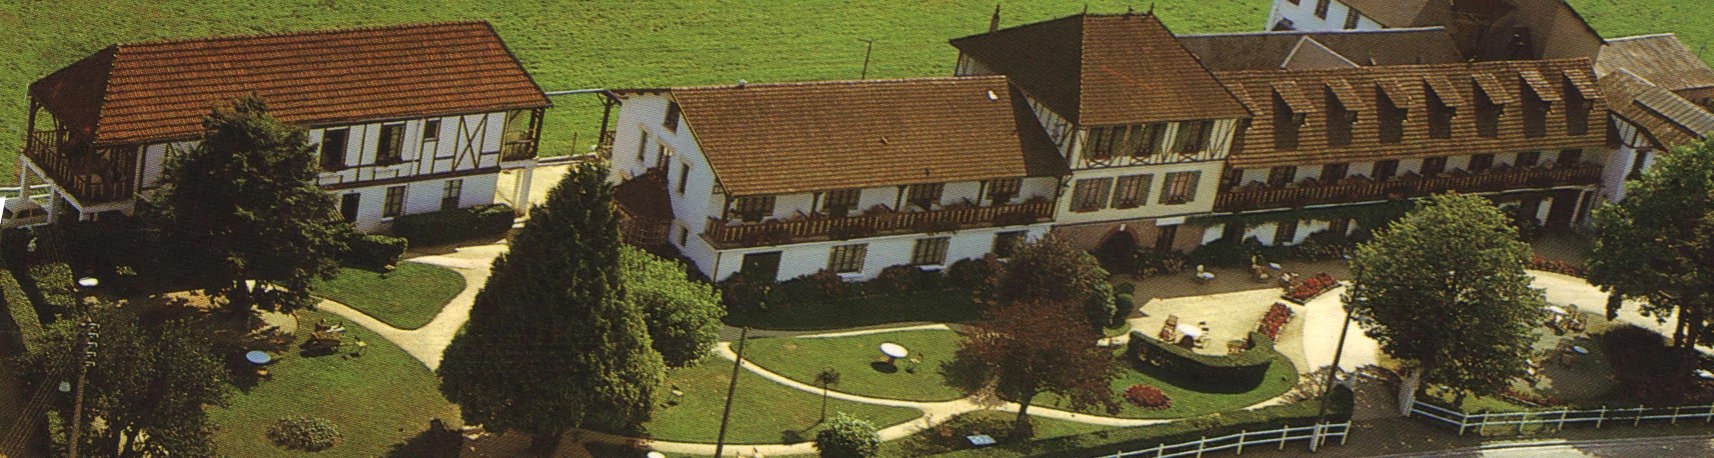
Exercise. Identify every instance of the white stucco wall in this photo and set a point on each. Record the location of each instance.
(420, 197)
(1206, 185)
(1302, 16)
(807, 258)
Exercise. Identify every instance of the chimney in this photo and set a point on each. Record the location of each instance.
(994, 22)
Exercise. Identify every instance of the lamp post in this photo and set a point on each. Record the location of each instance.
(88, 343)
(1338, 352)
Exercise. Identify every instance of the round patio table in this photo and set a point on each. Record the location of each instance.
(893, 351)
(1190, 330)
(258, 357)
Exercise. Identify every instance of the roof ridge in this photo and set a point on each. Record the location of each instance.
(294, 33)
(848, 82)
(1313, 32)
(1639, 37)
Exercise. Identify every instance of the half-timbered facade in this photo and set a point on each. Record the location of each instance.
(784, 180)
(1143, 126)
(407, 119)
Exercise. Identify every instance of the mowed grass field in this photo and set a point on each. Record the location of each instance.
(619, 43)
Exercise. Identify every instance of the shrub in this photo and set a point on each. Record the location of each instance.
(848, 437)
(1151, 262)
(1123, 305)
(1222, 373)
(17, 304)
(904, 279)
(442, 227)
(1539, 262)
(375, 251)
(1224, 253)
(979, 276)
(304, 433)
(1148, 397)
(54, 293)
(1651, 372)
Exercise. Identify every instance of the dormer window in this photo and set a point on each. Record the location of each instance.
(1577, 109)
(1491, 100)
(840, 203)
(1339, 121)
(1439, 116)
(1192, 137)
(925, 195)
(1391, 118)
(1286, 124)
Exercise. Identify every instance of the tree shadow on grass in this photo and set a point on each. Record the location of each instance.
(437, 441)
(884, 367)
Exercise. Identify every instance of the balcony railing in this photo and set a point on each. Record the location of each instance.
(518, 150)
(820, 228)
(92, 175)
(1361, 189)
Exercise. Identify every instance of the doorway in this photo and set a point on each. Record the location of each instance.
(761, 265)
(348, 206)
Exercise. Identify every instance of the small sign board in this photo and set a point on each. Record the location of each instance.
(980, 439)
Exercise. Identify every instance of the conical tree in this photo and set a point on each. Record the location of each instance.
(552, 343)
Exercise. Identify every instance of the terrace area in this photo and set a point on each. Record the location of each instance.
(1254, 196)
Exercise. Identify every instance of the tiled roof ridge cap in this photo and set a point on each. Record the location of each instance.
(1469, 65)
(294, 33)
(1639, 37)
(812, 83)
(1314, 32)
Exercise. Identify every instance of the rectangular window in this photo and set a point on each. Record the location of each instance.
(1527, 159)
(1391, 118)
(847, 258)
(925, 195)
(1006, 243)
(1351, 18)
(842, 202)
(1576, 110)
(1433, 166)
(930, 251)
(1004, 190)
(395, 203)
(671, 121)
(1179, 188)
(1334, 172)
(1385, 169)
(1535, 114)
(1230, 178)
(431, 130)
(1098, 144)
(1569, 157)
(1481, 162)
(642, 144)
(1279, 176)
(1145, 140)
(1439, 117)
(451, 193)
(1090, 194)
(1192, 137)
(1285, 232)
(390, 148)
(683, 236)
(1321, 8)
(333, 142)
(753, 209)
(683, 176)
(1132, 191)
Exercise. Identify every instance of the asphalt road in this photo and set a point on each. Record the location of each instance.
(1652, 447)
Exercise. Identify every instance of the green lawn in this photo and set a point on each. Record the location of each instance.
(763, 412)
(858, 360)
(406, 298)
(948, 306)
(1187, 401)
(991, 422)
(376, 400)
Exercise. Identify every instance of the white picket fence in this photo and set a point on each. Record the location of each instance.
(1558, 418)
(1316, 434)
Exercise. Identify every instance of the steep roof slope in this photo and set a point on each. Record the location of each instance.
(1259, 50)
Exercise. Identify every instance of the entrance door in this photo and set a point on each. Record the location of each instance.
(1564, 206)
(348, 206)
(761, 265)
(1163, 242)
(1118, 254)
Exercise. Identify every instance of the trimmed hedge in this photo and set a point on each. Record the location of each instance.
(1233, 372)
(53, 288)
(442, 227)
(375, 251)
(17, 304)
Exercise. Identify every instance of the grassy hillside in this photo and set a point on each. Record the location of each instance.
(617, 43)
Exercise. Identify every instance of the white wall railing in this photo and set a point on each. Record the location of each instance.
(1316, 435)
(1558, 418)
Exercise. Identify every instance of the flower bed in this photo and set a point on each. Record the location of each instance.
(1147, 397)
(1302, 292)
(1554, 265)
(1275, 320)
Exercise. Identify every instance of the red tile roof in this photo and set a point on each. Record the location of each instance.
(1264, 50)
(1453, 83)
(150, 91)
(1105, 70)
(782, 138)
(1661, 59)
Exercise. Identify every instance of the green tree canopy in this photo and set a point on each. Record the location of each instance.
(243, 205)
(1445, 287)
(148, 384)
(1039, 346)
(1051, 269)
(553, 342)
(1658, 243)
(683, 315)
(848, 437)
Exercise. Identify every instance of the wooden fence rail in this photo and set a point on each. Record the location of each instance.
(1315, 434)
(1558, 418)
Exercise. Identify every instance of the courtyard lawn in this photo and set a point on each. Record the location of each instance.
(861, 366)
(993, 422)
(763, 412)
(1187, 400)
(948, 306)
(407, 298)
(377, 400)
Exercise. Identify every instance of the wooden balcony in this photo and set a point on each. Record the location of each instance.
(92, 175)
(1363, 190)
(822, 228)
(518, 150)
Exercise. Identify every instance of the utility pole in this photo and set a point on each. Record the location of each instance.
(720, 442)
(87, 342)
(1338, 352)
(865, 74)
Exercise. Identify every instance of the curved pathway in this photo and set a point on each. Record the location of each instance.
(426, 343)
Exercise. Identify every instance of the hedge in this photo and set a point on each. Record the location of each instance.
(442, 227)
(375, 251)
(1121, 440)
(1235, 372)
(17, 304)
(53, 285)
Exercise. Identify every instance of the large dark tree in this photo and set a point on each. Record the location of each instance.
(553, 342)
(1051, 269)
(1042, 346)
(243, 205)
(1658, 243)
(148, 385)
(683, 315)
(1445, 287)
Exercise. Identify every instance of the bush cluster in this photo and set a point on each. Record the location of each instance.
(442, 227)
(1223, 373)
(23, 313)
(304, 433)
(743, 294)
(374, 251)
(1539, 262)
(1651, 372)
(1148, 397)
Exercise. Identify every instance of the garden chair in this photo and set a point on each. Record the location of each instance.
(1234, 347)
(1171, 320)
